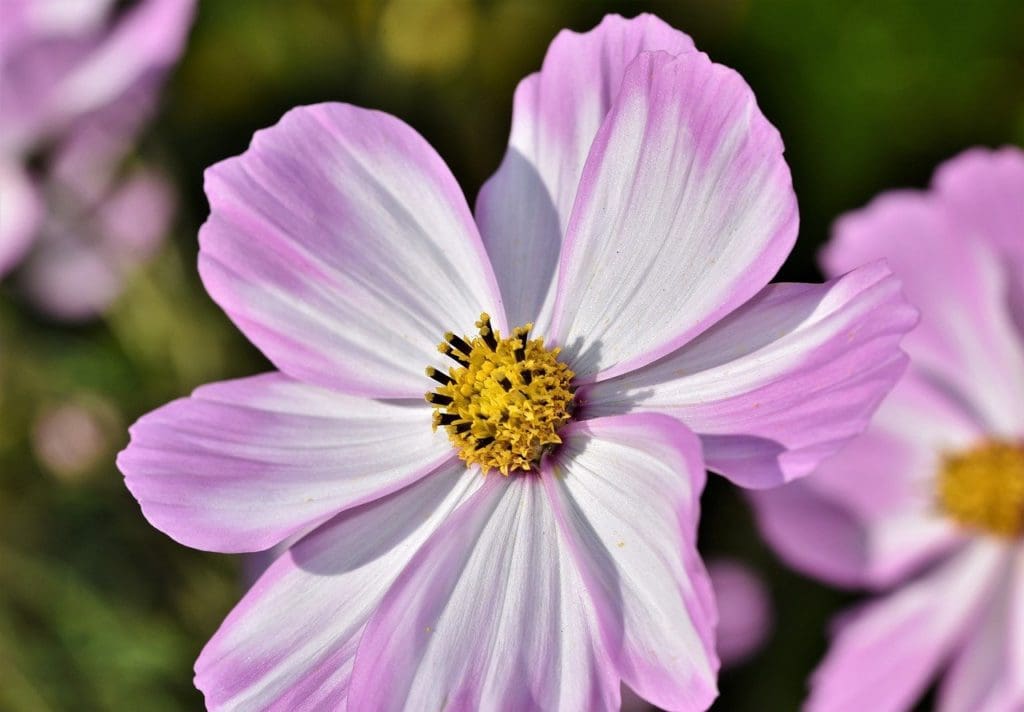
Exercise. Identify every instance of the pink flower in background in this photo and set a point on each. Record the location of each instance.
(929, 503)
(744, 610)
(622, 253)
(80, 80)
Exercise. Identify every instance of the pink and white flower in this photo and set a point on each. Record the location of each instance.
(80, 80)
(640, 211)
(928, 505)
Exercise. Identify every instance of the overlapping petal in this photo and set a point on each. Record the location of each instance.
(524, 208)
(885, 655)
(867, 516)
(291, 642)
(685, 211)
(966, 342)
(341, 245)
(781, 383)
(490, 613)
(626, 491)
(241, 465)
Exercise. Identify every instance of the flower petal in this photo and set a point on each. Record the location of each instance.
(884, 655)
(867, 517)
(243, 464)
(490, 613)
(290, 643)
(146, 41)
(988, 674)
(745, 610)
(524, 207)
(685, 211)
(985, 190)
(781, 383)
(20, 213)
(342, 246)
(966, 341)
(626, 491)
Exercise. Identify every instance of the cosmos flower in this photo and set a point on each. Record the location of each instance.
(80, 80)
(525, 538)
(928, 505)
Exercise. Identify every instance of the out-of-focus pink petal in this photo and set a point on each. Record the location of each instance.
(626, 492)
(31, 20)
(62, 67)
(524, 208)
(884, 655)
(241, 465)
(69, 276)
(984, 190)
(136, 216)
(289, 645)
(988, 674)
(782, 382)
(20, 213)
(491, 613)
(341, 245)
(685, 211)
(744, 610)
(966, 342)
(867, 517)
(148, 39)
(822, 537)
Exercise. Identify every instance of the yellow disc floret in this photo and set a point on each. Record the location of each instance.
(983, 488)
(503, 404)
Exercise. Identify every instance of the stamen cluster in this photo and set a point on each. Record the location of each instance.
(983, 488)
(503, 403)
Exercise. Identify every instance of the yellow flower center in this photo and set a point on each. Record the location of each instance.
(504, 402)
(983, 488)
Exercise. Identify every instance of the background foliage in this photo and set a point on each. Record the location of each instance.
(98, 610)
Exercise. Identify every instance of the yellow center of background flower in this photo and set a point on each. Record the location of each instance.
(504, 402)
(983, 488)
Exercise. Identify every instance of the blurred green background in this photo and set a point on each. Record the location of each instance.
(98, 610)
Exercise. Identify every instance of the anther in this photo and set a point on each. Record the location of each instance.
(505, 383)
(483, 442)
(527, 375)
(448, 351)
(458, 342)
(487, 331)
(447, 418)
(438, 398)
(440, 376)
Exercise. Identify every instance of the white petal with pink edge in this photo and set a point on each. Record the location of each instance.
(884, 655)
(685, 211)
(290, 643)
(524, 207)
(241, 465)
(626, 491)
(988, 674)
(781, 383)
(341, 245)
(490, 614)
